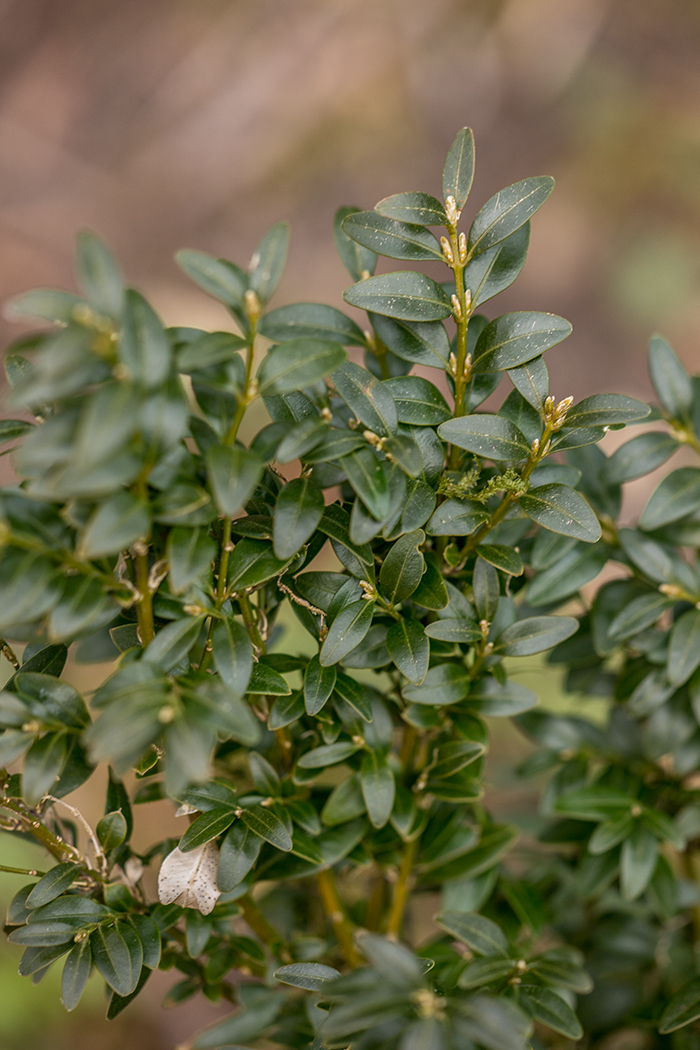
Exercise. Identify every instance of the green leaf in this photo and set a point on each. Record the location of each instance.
(418, 208)
(267, 826)
(677, 495)
(358, 261)
(347, 631)
(476, 931)
(637, 861)
(683, 1008)
(253, 562)
(504, 558)
(531, 380)
(442, 685)
(286, 710)
(406, 295)
(494, 270)
(567, 575)
(397, 240)
(684, 648)
(76, 971)
(640, 456)
(99, 275)
(118, 955)
(556, 967)
(42, 766)
(456, 518)
(551, 1010)
(344, 803)
(493, 845)
(485, 971)
(52, 885)
(144, 347)
(319, 683)
(117, 523)
(417, 401)
(487, 590)
(205, 827)
(112, 829)
(494, 699)
(514, 339)
(46, 304)
(311, 976)
(149, 935)
(597, 802)
(402, 568)
(328, 755)
(606, 410)
(234, 473)
(367, 397)
(366, 474)
(422, 342)
(490, 436)
(611, 833)
(311, 321)
(506, 212)
(233, 654)
(458, 172)
(406, 453)
(172, 644)
(10, 429)
(212, 348)
(190, 556)
(670, 379)
(638, 614)
(265, 680)
(298, 363)
(298, 510)
(269, 258)
(409, 648)
(357, 558)
(239, 851)
(454, 630)
(535, 634)
(561, 509)
(222, 279)
(378, 788)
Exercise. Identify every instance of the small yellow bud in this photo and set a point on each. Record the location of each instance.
(462, 245)
(452, 211)
(456, 308)
(447, 251)
(252, 305)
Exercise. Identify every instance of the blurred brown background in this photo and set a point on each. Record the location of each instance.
(171, 123)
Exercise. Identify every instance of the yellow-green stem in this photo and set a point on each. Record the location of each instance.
(342, 927)
(259, 924)
(402, 887)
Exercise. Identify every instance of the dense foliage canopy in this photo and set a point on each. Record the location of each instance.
(421, 546)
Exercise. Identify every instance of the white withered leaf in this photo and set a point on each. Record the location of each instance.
(189, 879)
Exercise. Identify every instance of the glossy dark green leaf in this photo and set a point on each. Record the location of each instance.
(311, 321)
(504, 558)
(265, 680)
(551, 1010)
(367, 397)
(418, 208)
(406, 295)
(52, 885)
(252, 562)
(117, 523)
(112, 829)
(514, 339)
(532, 381)
(220, 278)
(233, 654)
(397, 240)
(491, 436)
(239, 851)
(190, 555)
(638, 614)
(402, 568)
(171, 645)
(298, 363)
(640, 456)
(683, 1008)
(578, 567)
(637, 861)
(357, 558)
(344, 803)
(313, 977)
(366, 474)
(409, 648)
(267, 826)
(458, 171)
(319, 683)
(611, 833)
(535, 634)
(298, 510)
(417, 401)
(677, 495)
(431, 592)
(269, 258)
(494, 270)
(212, 348)
(476, 931)
(286, 710)
(487, 590)
(328, 755)
(347, 631)
(378, 787)
(10, 429)
(42, 766)
(456, 518)
(144, 348)
(485, 971)
(671, 381)
(605, 410)
(234, 473)
(454, 630)
(684, 648)
(307, 435)
(76, 971)
(421, 342)
(561, 509)
(358, 261)
(506, 212)
(443, 684)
